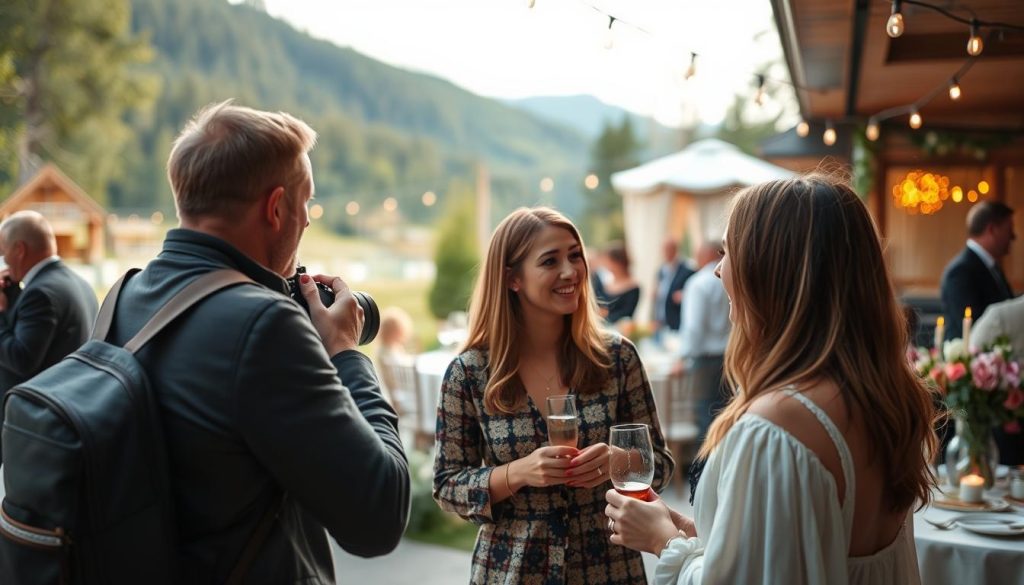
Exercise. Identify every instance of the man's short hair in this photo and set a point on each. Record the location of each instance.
(985, 214)
(228, 155)
(29, 227)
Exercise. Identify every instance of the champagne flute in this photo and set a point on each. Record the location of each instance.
(631, 460)
(563, 420)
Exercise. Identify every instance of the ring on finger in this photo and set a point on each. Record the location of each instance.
(599, 474)
(611, 525)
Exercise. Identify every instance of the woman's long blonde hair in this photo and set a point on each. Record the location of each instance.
(496, 315)
(812, 299)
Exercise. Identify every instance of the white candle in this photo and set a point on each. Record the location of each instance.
(971, 487)
(967, 329)
(940, 333)
(1017, 488)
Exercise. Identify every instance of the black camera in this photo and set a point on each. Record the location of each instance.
(371, 315)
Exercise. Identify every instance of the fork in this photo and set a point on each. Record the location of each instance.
(946, 525)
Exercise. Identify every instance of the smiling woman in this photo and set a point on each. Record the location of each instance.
(534, 335)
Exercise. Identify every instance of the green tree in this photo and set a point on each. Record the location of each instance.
(743, 129)
(456, 257)
(71, 86)
(616, 149)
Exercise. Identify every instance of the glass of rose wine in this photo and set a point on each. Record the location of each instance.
(631, 461)
(563, 420)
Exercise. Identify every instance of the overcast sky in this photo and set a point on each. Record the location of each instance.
(502, 48)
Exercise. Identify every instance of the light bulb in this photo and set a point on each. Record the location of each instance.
(531, 3)
(803, 129)
(692, 69)
(829, 137)
(954, 90)
(872, 130)
(894, 27)
(915, 120)
(609, 38)
(974, 44)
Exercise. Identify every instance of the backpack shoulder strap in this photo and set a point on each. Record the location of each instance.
(196, 291)
(106, 315)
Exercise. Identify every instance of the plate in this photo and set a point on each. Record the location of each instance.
(945, 502)
(1002, 471)
(993, 524)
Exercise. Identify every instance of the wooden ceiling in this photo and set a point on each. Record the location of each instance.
(839, 51)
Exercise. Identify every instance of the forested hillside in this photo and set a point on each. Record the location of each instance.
(383, 131)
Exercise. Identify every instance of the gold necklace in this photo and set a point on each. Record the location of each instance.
(547, 383)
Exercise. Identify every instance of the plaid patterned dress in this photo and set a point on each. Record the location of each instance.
(540, 536)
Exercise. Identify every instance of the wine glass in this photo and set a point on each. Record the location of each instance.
(631, 460)
(563, 420)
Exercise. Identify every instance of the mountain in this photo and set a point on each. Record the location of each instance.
(383, 131)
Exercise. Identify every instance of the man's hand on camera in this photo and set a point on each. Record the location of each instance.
(339, 325)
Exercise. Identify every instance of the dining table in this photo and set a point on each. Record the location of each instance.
(955, 553)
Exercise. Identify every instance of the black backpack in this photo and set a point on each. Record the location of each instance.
(85, 465)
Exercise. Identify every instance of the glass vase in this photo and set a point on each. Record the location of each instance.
(972, 451)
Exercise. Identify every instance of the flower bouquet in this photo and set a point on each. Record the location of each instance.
(982, 388)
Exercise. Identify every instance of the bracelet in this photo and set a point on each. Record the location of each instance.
(681, 534)
(508, 486)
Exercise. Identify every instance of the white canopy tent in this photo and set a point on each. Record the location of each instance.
(683, 195)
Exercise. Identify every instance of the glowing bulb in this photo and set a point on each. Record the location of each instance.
(531, 3)
(954, 90)
(872, 130)
(609, 35)
(429, 198)
(830, 134)
(972, 195)
(352, 208)
(894, 26)
(915, 120)
(692, 69)
(983, 187)
(958, 194)
(316, 212)
(547, 184)
(974, 44)
(803, 129)
(390, 204)
(591, 182)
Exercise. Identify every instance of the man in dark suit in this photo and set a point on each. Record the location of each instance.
(668, 295)
(52, 316)
(974, 279)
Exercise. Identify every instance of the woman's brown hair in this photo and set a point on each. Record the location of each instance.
(496, 316)
(812, 298)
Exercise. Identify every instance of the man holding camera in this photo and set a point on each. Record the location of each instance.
(258, 398)
(48, 319)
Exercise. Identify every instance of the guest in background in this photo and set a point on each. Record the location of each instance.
(52, 316)
(393, 349)
(1005, 319)
(622, 292)
(704, 335)
(534, 333)
(672, 275)
(815, 465)
(974, 279)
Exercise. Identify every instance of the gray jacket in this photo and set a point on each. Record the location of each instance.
(253, 406)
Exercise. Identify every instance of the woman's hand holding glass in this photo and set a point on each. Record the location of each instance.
(644, 526)
(546, 466)
(589, 468)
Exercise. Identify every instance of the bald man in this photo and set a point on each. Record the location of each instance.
(53, 313)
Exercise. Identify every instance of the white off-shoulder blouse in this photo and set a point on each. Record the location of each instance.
(767, 511)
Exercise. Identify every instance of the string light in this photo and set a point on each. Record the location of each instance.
(609, 39)
(983, 187)
(547, 184)
(974, 43)
(429, 198)
(759, 96)
(692, 69)
(829, 137)
(872, 130)
(531, 3)
(591, 182)
(954, 90)
(803, 129)
(894, 26)
(915, 119)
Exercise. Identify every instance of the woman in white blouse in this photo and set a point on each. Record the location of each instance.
(816, 464)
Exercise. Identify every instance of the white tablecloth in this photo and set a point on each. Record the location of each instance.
(430, 368)
(958, 556)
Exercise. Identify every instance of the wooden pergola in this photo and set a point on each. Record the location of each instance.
(849, 71)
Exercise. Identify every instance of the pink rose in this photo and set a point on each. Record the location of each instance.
(955, 371)
(1011, 375)
(1014, 399)
(939, 377)
(912, 355)
(1012, 427)
(985, 371)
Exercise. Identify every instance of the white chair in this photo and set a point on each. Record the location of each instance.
(673, 394)
(402, 381)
